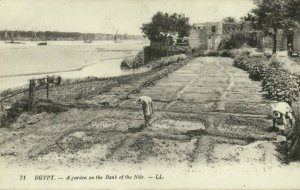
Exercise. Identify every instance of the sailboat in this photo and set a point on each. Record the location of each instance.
(6, 36)
(19, 38)
(44, 42)
(33, 38)
(116, 39)
(86, 40)
(12, 38)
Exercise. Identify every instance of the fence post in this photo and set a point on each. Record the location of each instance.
(31, 98)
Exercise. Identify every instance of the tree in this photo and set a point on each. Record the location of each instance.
(271, 16)
(293, 10)
(229, 19)
(164, 26)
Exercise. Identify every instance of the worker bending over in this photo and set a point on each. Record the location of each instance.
(147, 107)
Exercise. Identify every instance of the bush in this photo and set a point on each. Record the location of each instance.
(226, 53)
(133, 62)
(280, 85)
(168, 60)
(211, 53)
(242, 63)
(197, 52)
(257, 68)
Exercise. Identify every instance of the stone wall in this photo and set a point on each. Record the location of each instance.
(296, 41)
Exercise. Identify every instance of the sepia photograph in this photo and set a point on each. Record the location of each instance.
(149, 94)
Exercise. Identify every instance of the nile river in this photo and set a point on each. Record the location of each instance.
(69, 59)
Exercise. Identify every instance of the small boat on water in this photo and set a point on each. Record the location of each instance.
(12, 39)
(44, 42)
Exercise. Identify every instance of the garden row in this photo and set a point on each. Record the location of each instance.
(138, 61)
(281, 85)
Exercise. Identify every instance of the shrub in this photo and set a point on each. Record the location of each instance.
(226, 53)
(280, 85)
(211, 53)
(257, 68)
(197, 52)
(243, 63)
(133, 62)
(168, 60)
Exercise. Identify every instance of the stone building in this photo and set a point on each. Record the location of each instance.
(206, 35)
(292, 37)
(283, 39)
(210, 34)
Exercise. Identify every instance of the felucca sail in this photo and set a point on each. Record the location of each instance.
(116, 39)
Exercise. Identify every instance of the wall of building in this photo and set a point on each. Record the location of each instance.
(197, 38)
(158, 46)
(206, 35)
(267, 41)
(296, 41)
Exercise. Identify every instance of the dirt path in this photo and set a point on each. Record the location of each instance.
(207, 113)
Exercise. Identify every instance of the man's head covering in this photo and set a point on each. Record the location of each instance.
(145, 99)
(281, 107)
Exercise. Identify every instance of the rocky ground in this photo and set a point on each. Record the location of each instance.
(207, 113)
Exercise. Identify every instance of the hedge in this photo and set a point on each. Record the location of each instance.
(168, 60)
(280, 84)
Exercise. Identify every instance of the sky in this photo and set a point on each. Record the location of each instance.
(108, 16)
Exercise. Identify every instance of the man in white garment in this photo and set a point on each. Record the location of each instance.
(280, 112)
(147, 107)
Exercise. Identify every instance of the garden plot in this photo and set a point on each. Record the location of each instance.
(210, 83)
(199, 97)
(215, 79)
(192, 107)
(241, 83)
(248, 129)
(244, 97)
(247, 107)
(16, 150)
(148, 150)
(175, 127)
(196, 89)
(131, 104)
(245, 89)
(178, 78)
(212, 72)
(159, 96)
(254, 153)
(157, 89)
(204, 152)
(91, 149)
(172, 153)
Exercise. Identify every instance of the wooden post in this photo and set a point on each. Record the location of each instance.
(31, 98)
(47, 83)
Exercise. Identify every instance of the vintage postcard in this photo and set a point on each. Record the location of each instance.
(149, 94)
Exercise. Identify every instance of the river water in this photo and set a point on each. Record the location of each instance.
(69, 59)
